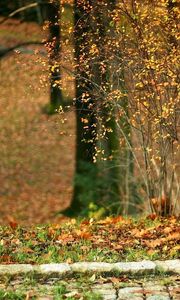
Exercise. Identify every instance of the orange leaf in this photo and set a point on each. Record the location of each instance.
(83, 234)
(13, 225)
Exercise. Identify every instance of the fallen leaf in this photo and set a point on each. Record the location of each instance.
(30, 295)
(83, 234)
(92, 278)
(71, 294)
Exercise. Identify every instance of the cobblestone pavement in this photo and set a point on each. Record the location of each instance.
(149, 291)
(106, 288)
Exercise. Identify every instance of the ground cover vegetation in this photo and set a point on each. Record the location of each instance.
(122, 62)
(110, 240)
(79, 287)
(58, 292)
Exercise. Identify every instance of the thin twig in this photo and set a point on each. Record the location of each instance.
(4, 52)
(15, 12)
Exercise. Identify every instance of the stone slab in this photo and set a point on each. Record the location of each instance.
(106, 286)
(103, 291)
(134, 293)
(155, 288)
(92, 267)
(109, 297)
(142, 267)
(53, 269)
(158, 297)
(172, 266)
(16, 269)
(134, 268)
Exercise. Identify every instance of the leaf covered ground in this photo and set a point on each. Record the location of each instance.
(37, 150)
(112, 239)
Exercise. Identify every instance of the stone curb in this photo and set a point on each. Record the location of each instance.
(62, 269)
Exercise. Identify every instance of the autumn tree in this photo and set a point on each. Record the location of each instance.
(108, 150)
(151, 58)
(126, 104)
(91, 84)
(85, 106)
(116, 155)
(99, 176)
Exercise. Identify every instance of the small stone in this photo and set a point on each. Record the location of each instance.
(158, 297)
(135, 293)
(151, 282)
(174, 292)
(104, 286)
(130, 296)
(109, 297)
(107, 294)
(169, 266)
(92, 266)
(155, 288)
(16, 269)
(53, 269)
(135, 267)
(106, 290)
(103, 291)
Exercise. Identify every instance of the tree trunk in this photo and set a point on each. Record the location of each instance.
(92, 89)
(85, 168)
(112, 147)
(120, 191)
(51, 12)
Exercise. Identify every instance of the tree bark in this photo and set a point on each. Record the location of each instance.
(53, 16)
(85, 105)
(120, 191)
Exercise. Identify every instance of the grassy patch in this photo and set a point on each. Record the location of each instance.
(110, 240)
(11, 295)
(61, 290)
(79, 287)
(58, 291)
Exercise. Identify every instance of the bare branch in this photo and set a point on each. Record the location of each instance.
(18, 10)
(5, 51)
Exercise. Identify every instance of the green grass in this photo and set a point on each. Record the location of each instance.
(80, 286)
(11, 295)
(140, 254)
(58, 291)
(59, 294)
(126, 240)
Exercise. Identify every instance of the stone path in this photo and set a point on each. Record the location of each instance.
(149, 291)
(108, 288)
(63, 269)
(120, 281)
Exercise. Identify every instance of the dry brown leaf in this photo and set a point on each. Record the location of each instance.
(29, 295)
(173, 236)
(153, 243)
(167, 229)
(26, 250)
(83, 234)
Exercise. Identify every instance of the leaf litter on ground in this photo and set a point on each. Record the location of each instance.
(111, 239)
